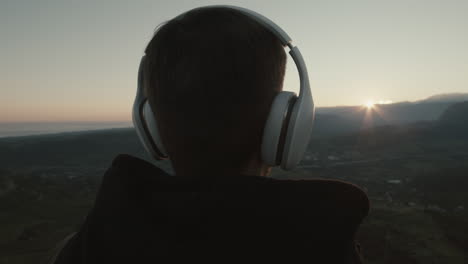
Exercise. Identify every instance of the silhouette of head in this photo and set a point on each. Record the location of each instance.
(213, 75)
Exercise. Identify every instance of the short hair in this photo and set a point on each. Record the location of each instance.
(213, 75)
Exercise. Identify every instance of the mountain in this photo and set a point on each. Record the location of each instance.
(348, 119)
(447, 98)
(456, 114)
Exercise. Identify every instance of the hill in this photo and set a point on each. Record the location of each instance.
(455, 115)
(345, 120)
(341, 120)
(447, 98)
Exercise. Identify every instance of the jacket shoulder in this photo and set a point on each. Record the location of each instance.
(334, 198)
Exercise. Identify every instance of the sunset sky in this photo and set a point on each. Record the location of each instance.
(64, 60)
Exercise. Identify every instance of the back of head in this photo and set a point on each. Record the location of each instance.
(213, 74)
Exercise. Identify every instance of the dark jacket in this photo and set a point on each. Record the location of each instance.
(143, 215)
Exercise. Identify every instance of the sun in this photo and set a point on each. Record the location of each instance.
(369, 105)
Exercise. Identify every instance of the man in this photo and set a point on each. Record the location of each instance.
(213, 75)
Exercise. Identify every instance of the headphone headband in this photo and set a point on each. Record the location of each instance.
(304, 89)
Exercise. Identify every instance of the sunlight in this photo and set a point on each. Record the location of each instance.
(369, 105)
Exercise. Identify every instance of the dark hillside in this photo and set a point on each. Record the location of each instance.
(455, 115)
(349, 119)
(414, 173)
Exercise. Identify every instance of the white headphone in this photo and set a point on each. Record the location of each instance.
(288, 127)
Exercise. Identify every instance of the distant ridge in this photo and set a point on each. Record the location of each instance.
(348, 119)
(446, 98)
(455, 115)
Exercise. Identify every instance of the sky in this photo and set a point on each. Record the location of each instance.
(66, 60)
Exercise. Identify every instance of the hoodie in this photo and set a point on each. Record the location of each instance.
(144, 215)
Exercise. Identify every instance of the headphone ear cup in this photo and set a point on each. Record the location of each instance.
(153, 132)
(271, 149)
(298, 133)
